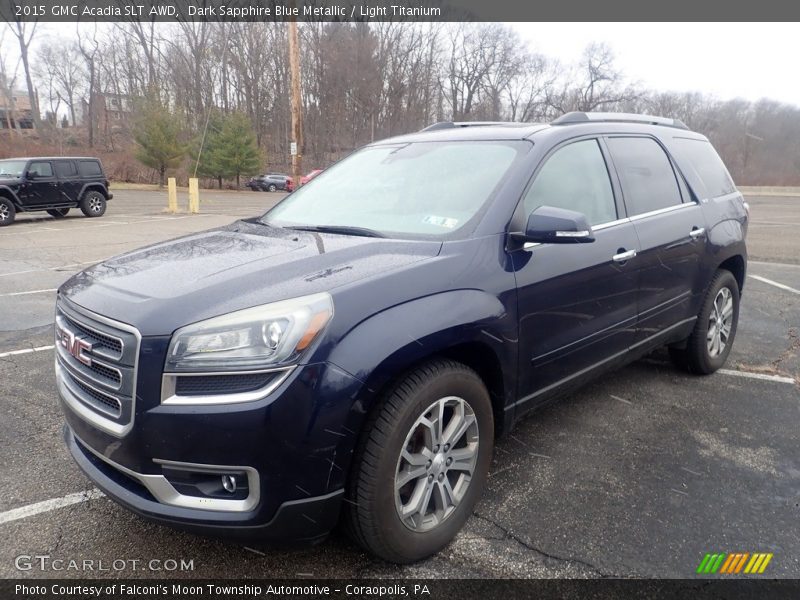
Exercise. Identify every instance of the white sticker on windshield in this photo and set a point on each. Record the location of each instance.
(447, 222)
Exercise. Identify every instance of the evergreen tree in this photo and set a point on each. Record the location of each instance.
(204, 152)
(235, 150)
(157, 133)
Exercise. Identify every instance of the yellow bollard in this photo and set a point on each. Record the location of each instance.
(172, 195)
(194, 196)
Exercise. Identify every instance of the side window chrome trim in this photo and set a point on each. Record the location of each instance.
(660, 211)
(602, 226)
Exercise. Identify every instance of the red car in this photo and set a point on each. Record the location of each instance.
(303, 180)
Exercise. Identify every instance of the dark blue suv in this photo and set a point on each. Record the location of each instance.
(355, 351)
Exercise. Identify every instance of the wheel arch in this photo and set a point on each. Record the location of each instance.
(737, 265)
(469, 326)
(6, 192)
(93, 187)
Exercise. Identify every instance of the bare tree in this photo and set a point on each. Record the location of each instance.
(60, 63)
(24, 32)
(596, 83)
(89, 46)
(7, 82)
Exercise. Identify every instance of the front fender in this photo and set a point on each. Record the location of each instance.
(385, 345)
(388, 342)
(7, 191)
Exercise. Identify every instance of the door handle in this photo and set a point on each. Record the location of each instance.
(697, 232)
(623, 256)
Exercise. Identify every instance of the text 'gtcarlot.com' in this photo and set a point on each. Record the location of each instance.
(44, 562)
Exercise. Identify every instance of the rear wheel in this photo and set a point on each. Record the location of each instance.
(422, 464)
(7, 212)
(709, 345)
(58, 213)
(272, 187)
(93, 204)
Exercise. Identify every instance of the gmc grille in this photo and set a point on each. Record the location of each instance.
(96, 359)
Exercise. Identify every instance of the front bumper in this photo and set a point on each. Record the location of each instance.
(295, 520)
(297, 440)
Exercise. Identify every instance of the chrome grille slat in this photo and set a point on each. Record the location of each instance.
(84, 373)
(112, 344)
(101, 401)
(96, 361)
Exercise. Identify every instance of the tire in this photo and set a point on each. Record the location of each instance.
(708, 347)
(272, 187)
(93, 204)
(394, 432)
(7, 212)
(58, 213)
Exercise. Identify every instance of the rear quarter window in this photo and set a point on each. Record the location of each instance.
(89, 168)
(700, 157)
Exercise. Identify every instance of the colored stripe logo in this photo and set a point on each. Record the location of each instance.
(734, 563)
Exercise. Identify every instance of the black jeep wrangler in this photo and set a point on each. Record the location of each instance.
(52, 184)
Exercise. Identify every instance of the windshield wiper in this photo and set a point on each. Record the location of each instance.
(343, 229)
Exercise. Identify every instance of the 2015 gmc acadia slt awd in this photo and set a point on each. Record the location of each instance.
(355, 351)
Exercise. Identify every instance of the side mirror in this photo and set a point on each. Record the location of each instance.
(31, 174)
(551, 225)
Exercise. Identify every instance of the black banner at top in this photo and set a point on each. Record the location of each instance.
(398, 10)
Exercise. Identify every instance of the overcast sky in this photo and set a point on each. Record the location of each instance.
(728, 60)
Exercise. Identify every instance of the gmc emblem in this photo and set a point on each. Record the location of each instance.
(76, 346)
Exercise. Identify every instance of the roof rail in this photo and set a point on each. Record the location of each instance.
(456, 124)
(572, 118)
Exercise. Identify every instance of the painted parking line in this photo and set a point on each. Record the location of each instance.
(28, 293)
(775, 284)
(142, 219)
(773, 264)
(48, 505)
(26, 351)
(761, 376)
(59, 268)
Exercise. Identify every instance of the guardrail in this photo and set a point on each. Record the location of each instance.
(769, 190)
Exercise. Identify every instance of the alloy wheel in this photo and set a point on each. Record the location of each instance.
(719, 323)
(436, 463)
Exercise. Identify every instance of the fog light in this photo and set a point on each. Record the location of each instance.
(229, 483)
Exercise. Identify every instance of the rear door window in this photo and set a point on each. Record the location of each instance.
(66, 168)
(648, 180)
(89, 168)
(575, 178)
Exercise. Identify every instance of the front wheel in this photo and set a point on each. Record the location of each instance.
(58, 213)
(422, 464)
(7, 212)
(93, 204)
(272, 187)
(709, 345)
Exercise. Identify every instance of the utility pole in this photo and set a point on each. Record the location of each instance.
(297, 110)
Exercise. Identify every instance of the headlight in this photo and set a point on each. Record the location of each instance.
(250, 339)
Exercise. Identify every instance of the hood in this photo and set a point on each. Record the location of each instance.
(162, 287)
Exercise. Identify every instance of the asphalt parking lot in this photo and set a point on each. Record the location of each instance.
(640, 474)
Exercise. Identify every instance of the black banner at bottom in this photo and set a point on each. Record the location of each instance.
(463, 589)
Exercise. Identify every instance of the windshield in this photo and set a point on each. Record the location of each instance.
(424, 189)
(12, 168)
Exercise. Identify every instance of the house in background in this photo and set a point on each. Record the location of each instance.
(15, 110)
(111, 111)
